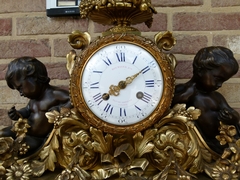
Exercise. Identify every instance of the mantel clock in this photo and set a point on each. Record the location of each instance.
(121, 125)
(122, 82)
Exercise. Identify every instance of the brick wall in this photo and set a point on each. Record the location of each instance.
(26, 31)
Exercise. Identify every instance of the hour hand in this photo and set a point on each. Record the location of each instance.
(115, 90)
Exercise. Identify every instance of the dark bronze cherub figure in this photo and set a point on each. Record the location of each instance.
(29, 76)
(212, 66)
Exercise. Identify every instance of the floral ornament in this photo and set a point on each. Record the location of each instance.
(6, 148)
(232, 152)
(23, 148)
(19, 172)
(227, 133)
(228, 167)
(20, 127)
(235, 148)
(224, 172)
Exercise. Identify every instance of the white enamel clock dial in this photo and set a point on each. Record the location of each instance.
(122, 83)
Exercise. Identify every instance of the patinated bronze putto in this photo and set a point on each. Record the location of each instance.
(123, 117)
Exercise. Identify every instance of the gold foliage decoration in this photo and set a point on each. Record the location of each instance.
(71, 58)
(165, 40)
(79, 40)
(68, 132)
(176, 142)
(171, 147)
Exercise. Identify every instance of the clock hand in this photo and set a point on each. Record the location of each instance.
(114, 90)
(130, 79)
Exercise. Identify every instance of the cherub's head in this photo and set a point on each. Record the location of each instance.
(212, 66)
(26, 74)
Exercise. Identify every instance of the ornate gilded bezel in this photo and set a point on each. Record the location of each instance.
(168, 83)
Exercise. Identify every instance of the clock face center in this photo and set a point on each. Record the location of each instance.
(116, 75)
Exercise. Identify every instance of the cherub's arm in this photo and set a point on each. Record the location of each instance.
(16, 114)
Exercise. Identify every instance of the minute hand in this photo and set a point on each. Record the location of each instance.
(114, 90)
(130, 79)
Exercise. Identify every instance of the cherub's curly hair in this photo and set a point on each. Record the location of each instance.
(27, 66)
(214, 56)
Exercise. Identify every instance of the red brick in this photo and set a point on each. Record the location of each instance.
(57, 70)
(45, 25)
(187, 44)
(22, 6)
(3, 70)
(230, 41)
(25, 47)
(238, 110)
(61, 47)
(206, 21)
(175, 3)
(11, 97)
(98, 28)
(159, 24)
(228, 90)
(224, 3)
(6, 27)
(184, 70)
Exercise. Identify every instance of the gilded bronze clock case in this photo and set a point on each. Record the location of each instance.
(168, 83)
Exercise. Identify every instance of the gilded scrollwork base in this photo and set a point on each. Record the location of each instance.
(170, 147)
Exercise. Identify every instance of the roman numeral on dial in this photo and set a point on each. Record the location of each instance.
(107, 61)
(121, 56)
(146, 97)
(149, 83)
